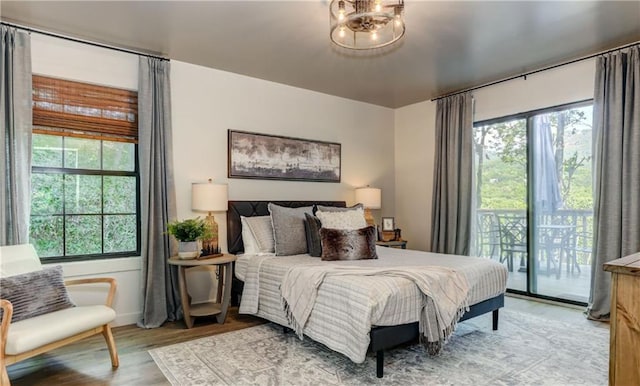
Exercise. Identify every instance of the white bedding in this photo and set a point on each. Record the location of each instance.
(348, 306)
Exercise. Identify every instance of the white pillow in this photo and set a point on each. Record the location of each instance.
(257, 234)
(250, 243)
(348, 219)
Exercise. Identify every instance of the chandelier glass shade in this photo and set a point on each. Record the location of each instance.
(366, 24)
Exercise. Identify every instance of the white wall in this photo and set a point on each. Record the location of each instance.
(566, 84)
(207, 102)
(415, 135)
(415, 144)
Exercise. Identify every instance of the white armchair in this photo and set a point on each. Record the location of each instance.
(29, 337)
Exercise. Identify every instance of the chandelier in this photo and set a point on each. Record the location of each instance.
(366, 24)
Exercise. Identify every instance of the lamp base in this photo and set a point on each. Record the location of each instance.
(210, 247)
(368, 217)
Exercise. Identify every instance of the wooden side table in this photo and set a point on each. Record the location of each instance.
(393, 244)
(220, 306)
(624, 356)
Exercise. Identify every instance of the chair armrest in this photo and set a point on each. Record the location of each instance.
(112, 285)
(7, 313)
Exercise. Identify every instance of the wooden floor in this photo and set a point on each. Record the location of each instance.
(87, 362)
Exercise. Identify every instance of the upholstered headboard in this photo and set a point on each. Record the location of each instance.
(258, 208)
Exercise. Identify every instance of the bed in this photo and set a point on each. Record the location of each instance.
(392, 321)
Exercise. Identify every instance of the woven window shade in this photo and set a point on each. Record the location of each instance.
(75, 109)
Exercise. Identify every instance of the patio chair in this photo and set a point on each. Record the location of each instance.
(488, 235)
(513, 238)
(582, 246)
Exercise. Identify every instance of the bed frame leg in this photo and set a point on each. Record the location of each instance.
(495, 320)
(379, 363)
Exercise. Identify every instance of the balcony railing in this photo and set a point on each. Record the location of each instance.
(563, 234)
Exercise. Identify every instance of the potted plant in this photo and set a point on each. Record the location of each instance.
(189, 234)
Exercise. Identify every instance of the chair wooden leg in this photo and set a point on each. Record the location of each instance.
(4, 376)
(111, 344)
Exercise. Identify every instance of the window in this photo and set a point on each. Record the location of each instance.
(534, 199)
(85, 179)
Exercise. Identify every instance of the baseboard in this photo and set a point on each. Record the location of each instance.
(126, 319)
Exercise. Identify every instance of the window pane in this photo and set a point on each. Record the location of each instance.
(83, 235)
(45, 233)
(563, 202)
(118, 156)
(82, 194)
(46, 193)
(47, 150)
(119, 195)
(119, 233)
(501, 196)
(80, 153)
(547, 212)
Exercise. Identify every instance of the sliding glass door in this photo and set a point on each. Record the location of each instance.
(534, 199)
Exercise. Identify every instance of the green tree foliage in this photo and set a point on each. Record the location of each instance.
(501, 160)
(82, 214)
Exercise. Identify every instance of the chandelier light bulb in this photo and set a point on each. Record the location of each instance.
(341, 32)
(374, 35)
(378, 7)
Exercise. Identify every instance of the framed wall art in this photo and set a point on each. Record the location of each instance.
(273, 157)
(388, 224)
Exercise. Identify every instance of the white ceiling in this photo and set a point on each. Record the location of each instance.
(448, 46)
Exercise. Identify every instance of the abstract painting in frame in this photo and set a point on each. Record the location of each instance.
(262, 156)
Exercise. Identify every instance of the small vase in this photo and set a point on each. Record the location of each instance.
(188, 249)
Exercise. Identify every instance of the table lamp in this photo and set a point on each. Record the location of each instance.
(209, 197)
(370, 198)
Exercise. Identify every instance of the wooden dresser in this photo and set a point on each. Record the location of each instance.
(624, 355)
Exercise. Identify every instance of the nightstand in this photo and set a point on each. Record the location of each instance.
(219, 308)
(393, 244)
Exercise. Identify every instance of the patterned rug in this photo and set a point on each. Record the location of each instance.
(526, 350)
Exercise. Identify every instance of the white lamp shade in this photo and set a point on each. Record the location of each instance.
(208, 197)
(369, 197)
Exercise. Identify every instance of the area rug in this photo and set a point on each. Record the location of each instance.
(526, 350)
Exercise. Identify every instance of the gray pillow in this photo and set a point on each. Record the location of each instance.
(323, 208)
(342, 244)
(312, 227)
(288, 229)
(35, 293)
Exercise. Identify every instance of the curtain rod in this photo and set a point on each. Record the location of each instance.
(524, 75)
(77, 40)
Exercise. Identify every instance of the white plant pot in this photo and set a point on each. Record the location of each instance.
(188, 249)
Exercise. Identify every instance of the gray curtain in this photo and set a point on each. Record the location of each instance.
(452, 177)
(15, 140)
(616, 127)
(161, 299)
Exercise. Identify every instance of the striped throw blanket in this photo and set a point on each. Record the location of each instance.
(444, 290)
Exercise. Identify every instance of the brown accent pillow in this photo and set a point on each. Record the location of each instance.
(342, 244)
(35, 293)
